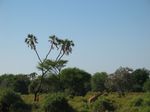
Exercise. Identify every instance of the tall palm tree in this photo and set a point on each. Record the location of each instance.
(31, 41)
(67, 46)
(64, 47)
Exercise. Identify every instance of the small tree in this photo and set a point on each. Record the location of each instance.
(103, 105)
(120, 81)
(54, 66)
(140, 76)
(98, 81)
(56, 102)
(12, 102)
(147, 86)
(75, 81)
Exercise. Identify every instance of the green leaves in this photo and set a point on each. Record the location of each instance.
(63, 46)
(52, 66)
(31, 41)
(56, 103)
(12, 102)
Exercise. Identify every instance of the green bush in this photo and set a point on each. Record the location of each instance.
(56, 103)
(145, 109)
(103, 105)
(137, 102)
(98, 81)
(147, 86)
(146, 102)
(12, 102)
(75, 81)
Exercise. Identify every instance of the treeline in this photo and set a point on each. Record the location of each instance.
(77, 82)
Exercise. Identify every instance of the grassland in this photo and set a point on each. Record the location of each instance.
(131, 102)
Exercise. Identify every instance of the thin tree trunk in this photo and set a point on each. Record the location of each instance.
(35, 96)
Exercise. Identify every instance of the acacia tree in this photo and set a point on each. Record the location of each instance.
(54, 66)
(120, 81)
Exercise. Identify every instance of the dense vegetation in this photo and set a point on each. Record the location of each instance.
(131, 102)
(82, 92)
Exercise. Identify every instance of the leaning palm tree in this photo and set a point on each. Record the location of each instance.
(31, 41)
(64, 47)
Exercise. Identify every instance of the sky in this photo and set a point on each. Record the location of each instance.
(107, 33)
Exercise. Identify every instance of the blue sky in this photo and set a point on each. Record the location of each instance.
(107, 33)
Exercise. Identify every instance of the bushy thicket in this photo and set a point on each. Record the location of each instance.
(77, 82)
(103, 104)
(146, 86)
(12, 102)
(142, 104)
(18, 83)
(56, 102)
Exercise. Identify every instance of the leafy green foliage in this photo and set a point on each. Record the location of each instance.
(33, 86)
(56, 103)
(103, 105)
(120, 81)
(19, 83)
(45, 65)
(51, 84)
(12, 102)
(98, 81)
(139, 78)
(53, 66)
(80, 104)
(143, 103)
(145, 109)
(147, 86)
(75, 81)
(137, 102)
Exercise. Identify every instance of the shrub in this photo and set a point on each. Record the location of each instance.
(137, 102)
(98, 81)
(12, 102)
(55, 103)
(146, 102)
(145, 109)
(103, 105)
(75, 81)
(147, 86)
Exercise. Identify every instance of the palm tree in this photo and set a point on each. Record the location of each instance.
(31, 41)
(64, 47)
(67, 46)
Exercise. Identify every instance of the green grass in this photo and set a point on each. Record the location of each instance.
(128, 103)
